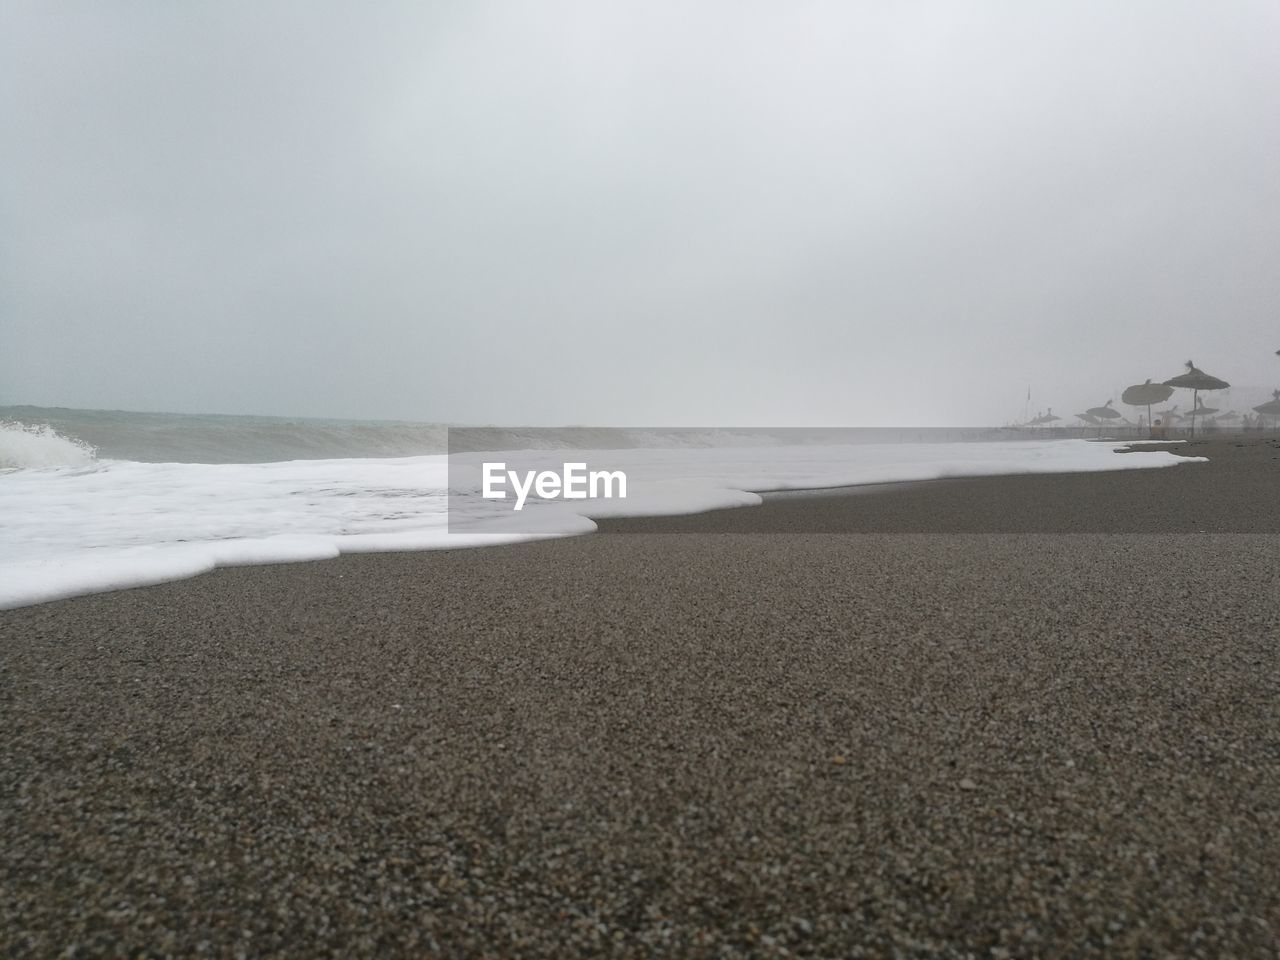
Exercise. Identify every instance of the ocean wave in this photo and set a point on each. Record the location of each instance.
(214, 438)
(34, 446)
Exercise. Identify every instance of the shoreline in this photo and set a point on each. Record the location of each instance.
(1007, 731)
(1234, 492)
(33, 583)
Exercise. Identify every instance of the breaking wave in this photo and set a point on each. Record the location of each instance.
(25, 447)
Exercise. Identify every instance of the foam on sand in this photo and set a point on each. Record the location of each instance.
(86, 526)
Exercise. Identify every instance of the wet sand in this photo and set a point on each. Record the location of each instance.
(1024, 716)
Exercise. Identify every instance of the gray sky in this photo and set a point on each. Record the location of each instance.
(635, 212)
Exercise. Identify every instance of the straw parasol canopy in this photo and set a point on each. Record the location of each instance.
(1145, 394)
(1102, 415)
(1104, 412)
(1202, 411)
(1272, 407)
(1196, 380)
(1089, 419)
(1045, 418)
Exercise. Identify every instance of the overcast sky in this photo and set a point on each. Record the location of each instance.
(637, 211)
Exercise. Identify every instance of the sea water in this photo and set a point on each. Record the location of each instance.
(79, 515)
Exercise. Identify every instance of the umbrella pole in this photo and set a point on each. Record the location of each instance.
(1151, 431)
(1195, 394)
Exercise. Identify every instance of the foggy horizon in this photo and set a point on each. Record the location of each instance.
(640, 215)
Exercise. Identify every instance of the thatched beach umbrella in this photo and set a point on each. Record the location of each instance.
(1104, 412)
(1202, 411)
(1145, 394)
(1089, 419)
(1271, 408)
(1044, 418)
(1196, 380)
(1103, 415)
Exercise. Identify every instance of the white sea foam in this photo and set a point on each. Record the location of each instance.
(28, 447)
(89, 526)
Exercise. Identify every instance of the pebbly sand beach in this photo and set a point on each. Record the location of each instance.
(1027, 716)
